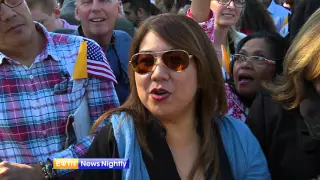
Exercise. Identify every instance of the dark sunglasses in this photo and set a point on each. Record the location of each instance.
(175, 60)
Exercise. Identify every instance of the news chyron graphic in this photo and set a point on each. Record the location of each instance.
(84, 163)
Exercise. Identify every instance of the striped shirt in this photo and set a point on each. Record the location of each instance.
(35, 101)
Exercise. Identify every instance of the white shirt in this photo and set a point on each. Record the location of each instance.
(278, 14)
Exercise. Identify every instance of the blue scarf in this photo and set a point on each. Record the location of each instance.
(246, 158)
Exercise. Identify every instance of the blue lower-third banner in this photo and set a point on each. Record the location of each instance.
(103, 163)
(86, 163)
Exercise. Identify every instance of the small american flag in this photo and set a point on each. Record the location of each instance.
(97, 64)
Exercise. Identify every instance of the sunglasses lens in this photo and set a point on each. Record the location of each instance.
(176, 60)
(239, 3)
(224, 1)
(142, 63)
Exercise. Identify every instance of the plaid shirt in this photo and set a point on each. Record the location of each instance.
(35, 102)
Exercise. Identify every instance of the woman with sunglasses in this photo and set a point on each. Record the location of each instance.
(173, 124)
(258, 59)
(218, 24)
(287, 123)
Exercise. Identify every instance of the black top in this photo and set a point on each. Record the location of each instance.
(302, 10)
(286, 136)
(161, 167)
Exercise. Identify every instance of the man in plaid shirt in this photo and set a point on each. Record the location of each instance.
(38, 93)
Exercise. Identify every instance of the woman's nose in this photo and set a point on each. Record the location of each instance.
(231, 4)
(160, 71)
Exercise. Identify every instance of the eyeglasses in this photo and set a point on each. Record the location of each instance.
(237, 3)
(257, 61)
(175, 60)
(11, 3)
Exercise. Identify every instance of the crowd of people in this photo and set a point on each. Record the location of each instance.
(201, 89)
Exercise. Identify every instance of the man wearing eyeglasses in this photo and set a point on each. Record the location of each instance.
(39, 90)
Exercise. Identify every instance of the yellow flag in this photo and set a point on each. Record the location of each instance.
(80, 68)
(226, 59)
(286, 21)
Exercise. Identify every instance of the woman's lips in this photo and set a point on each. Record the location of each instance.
(16, 27)
(245, 78)
(159, 94)
(227, 15)
(245, 81)
(160, 97)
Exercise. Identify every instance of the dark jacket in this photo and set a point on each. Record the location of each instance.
(302, 10)
(288, 137)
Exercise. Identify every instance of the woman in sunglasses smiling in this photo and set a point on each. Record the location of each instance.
(218, 24)
(173, 124)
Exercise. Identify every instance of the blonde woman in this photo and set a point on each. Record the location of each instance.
(288, 126)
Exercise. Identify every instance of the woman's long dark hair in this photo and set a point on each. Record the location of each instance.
(183, 33)
(256, 17)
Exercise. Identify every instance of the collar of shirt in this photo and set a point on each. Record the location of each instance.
(272, 7)
(49, 49)
(79, 32)
(66, 25)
